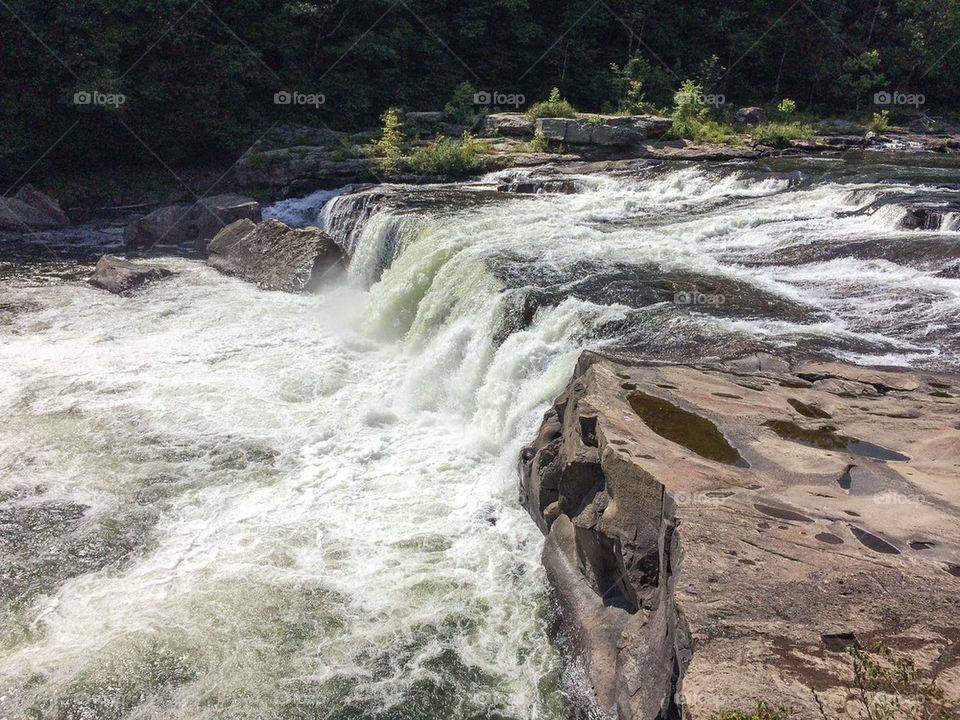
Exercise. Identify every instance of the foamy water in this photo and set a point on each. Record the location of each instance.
(257, 505)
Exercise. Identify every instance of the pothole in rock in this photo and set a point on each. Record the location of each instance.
(873, 542)
(953, 569)
(782, 513)
(826, 437)
(809, 411)
(828, 538)
(685, 428)
(921, 544)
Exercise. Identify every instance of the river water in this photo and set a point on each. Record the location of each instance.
(217, 502)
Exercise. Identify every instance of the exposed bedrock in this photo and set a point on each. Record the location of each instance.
(718, 535)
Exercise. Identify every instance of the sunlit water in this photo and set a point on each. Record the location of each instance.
(218, 502)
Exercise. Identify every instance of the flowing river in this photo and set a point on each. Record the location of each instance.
(218, 502)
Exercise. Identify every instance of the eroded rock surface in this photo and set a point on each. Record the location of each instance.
(719, 535)
(275, 256)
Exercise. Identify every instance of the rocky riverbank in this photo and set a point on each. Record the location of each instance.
(730, 533)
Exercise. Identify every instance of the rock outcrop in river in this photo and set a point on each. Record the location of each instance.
(190, 226)
(720, 535)
(118, 276)
(29, 210)
(275, 256)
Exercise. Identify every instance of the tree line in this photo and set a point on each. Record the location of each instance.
(103, 82)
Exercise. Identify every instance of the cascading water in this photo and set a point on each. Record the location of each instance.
(219, 502)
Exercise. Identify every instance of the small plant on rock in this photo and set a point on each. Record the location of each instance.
(554, 107)
(880, 122)
(889, 687)
(388, 147)
(764, 711)
(786, 107)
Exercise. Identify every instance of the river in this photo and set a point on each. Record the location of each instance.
(218, 502)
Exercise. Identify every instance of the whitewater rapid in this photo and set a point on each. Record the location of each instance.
(219, 502)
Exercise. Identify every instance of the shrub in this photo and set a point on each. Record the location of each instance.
(445, 156)
(639, 86)
(388, 146)
(786, 107)
(880, 122)
(539, 142)
(780, 134)
(689, 112)
(553, 107)
(764, 711)
(460, 109)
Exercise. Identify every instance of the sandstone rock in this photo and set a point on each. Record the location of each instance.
(119, 276)
(193, 225)
(749, 117)
(516, 124)
(274, 256)
(605, 130)
(718, 535)
(30, 209)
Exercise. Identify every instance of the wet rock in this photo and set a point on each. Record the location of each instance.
(275, 256)
(189, 225)
(749, 117)
(689, 584)
(120, 276)
(29, 210)
(533, 186)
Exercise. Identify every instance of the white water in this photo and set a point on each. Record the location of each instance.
(322, 488)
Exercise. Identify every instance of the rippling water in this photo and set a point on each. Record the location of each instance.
(217, 502)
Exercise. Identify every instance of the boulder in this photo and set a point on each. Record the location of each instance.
(119, 276)
(514, 124)
(275, 256)
(749, 117)
(720, 534)
(29, 210)
(604, 130)
(190, 225)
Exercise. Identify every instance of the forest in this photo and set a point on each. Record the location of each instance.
(101, 83)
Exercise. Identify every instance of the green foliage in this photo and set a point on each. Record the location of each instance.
(889, 687)
(445, 156)
(879, 122)
(689, 112)
(640, 87)
(195, 95)
(861, 75)
(539, 142)
(780, 134)
(553, 107)
(461, 109)
(763, 711)
(388, 147)
(786, 107)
